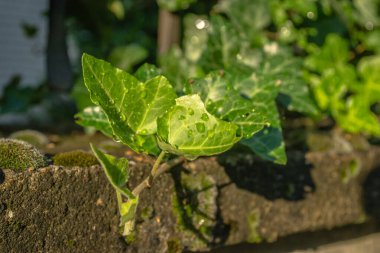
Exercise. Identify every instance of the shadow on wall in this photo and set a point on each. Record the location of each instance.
(272, 181)
(371, 194)
(2, 176)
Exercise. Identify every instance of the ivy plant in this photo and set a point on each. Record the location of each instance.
(143, 112)
(224, 85)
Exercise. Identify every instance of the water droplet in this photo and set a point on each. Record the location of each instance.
(191, 111)
(144, 131)
(122, 117)
(181, 117)
(204, 117)
(190, 133)
(143, 94)
(310, 15)
(200, 127)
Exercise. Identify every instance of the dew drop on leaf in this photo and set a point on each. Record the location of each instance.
(204, 117)
(191, 111)
(200, 127)
(190, 133)
(144, 131)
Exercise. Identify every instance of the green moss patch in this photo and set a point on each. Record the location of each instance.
(76, 158)
(32, 137)
(19, 155)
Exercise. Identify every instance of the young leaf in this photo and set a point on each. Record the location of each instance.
(116, 171)
(93, 116)
(127, 219)
(188, 129)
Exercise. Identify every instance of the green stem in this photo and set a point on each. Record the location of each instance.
(119, 200)
(157, 170)
(157, 163)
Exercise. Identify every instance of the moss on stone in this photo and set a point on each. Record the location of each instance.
(195, 208)
(350, 170)
(76, 158)
(19, 155)
(253, 220)
(174, 246)
(32, 137)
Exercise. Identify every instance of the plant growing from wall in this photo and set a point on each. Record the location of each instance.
(223, 86)
(144, 112)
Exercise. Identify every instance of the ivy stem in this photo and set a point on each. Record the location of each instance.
(119, 200)
(156, 164)
(156, 171)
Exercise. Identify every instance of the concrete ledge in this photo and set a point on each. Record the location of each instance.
(208, 203)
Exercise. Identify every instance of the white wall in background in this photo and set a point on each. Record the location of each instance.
(19, 54)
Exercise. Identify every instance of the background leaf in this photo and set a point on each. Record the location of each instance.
(147, 71)
(94, 117)
(223, 101)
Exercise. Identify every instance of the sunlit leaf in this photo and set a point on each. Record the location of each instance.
(131, 106)
(188, 129)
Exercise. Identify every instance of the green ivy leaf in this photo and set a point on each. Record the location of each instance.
(286, 71)
(125, 57)
(223, 45)
(357, 116)
(188, 129)
(226, 103)
(147, 71)
(116, 171)
(247, 17)
(131, 106)
(268, 143)
(333, 53)
(93, 116)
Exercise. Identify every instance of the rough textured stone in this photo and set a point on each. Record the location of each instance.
(57, 209)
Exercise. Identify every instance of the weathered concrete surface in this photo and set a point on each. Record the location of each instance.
(74, 209)
(366, 244)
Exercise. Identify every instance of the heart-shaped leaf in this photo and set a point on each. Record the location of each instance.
(188, 129)
(132, 107)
